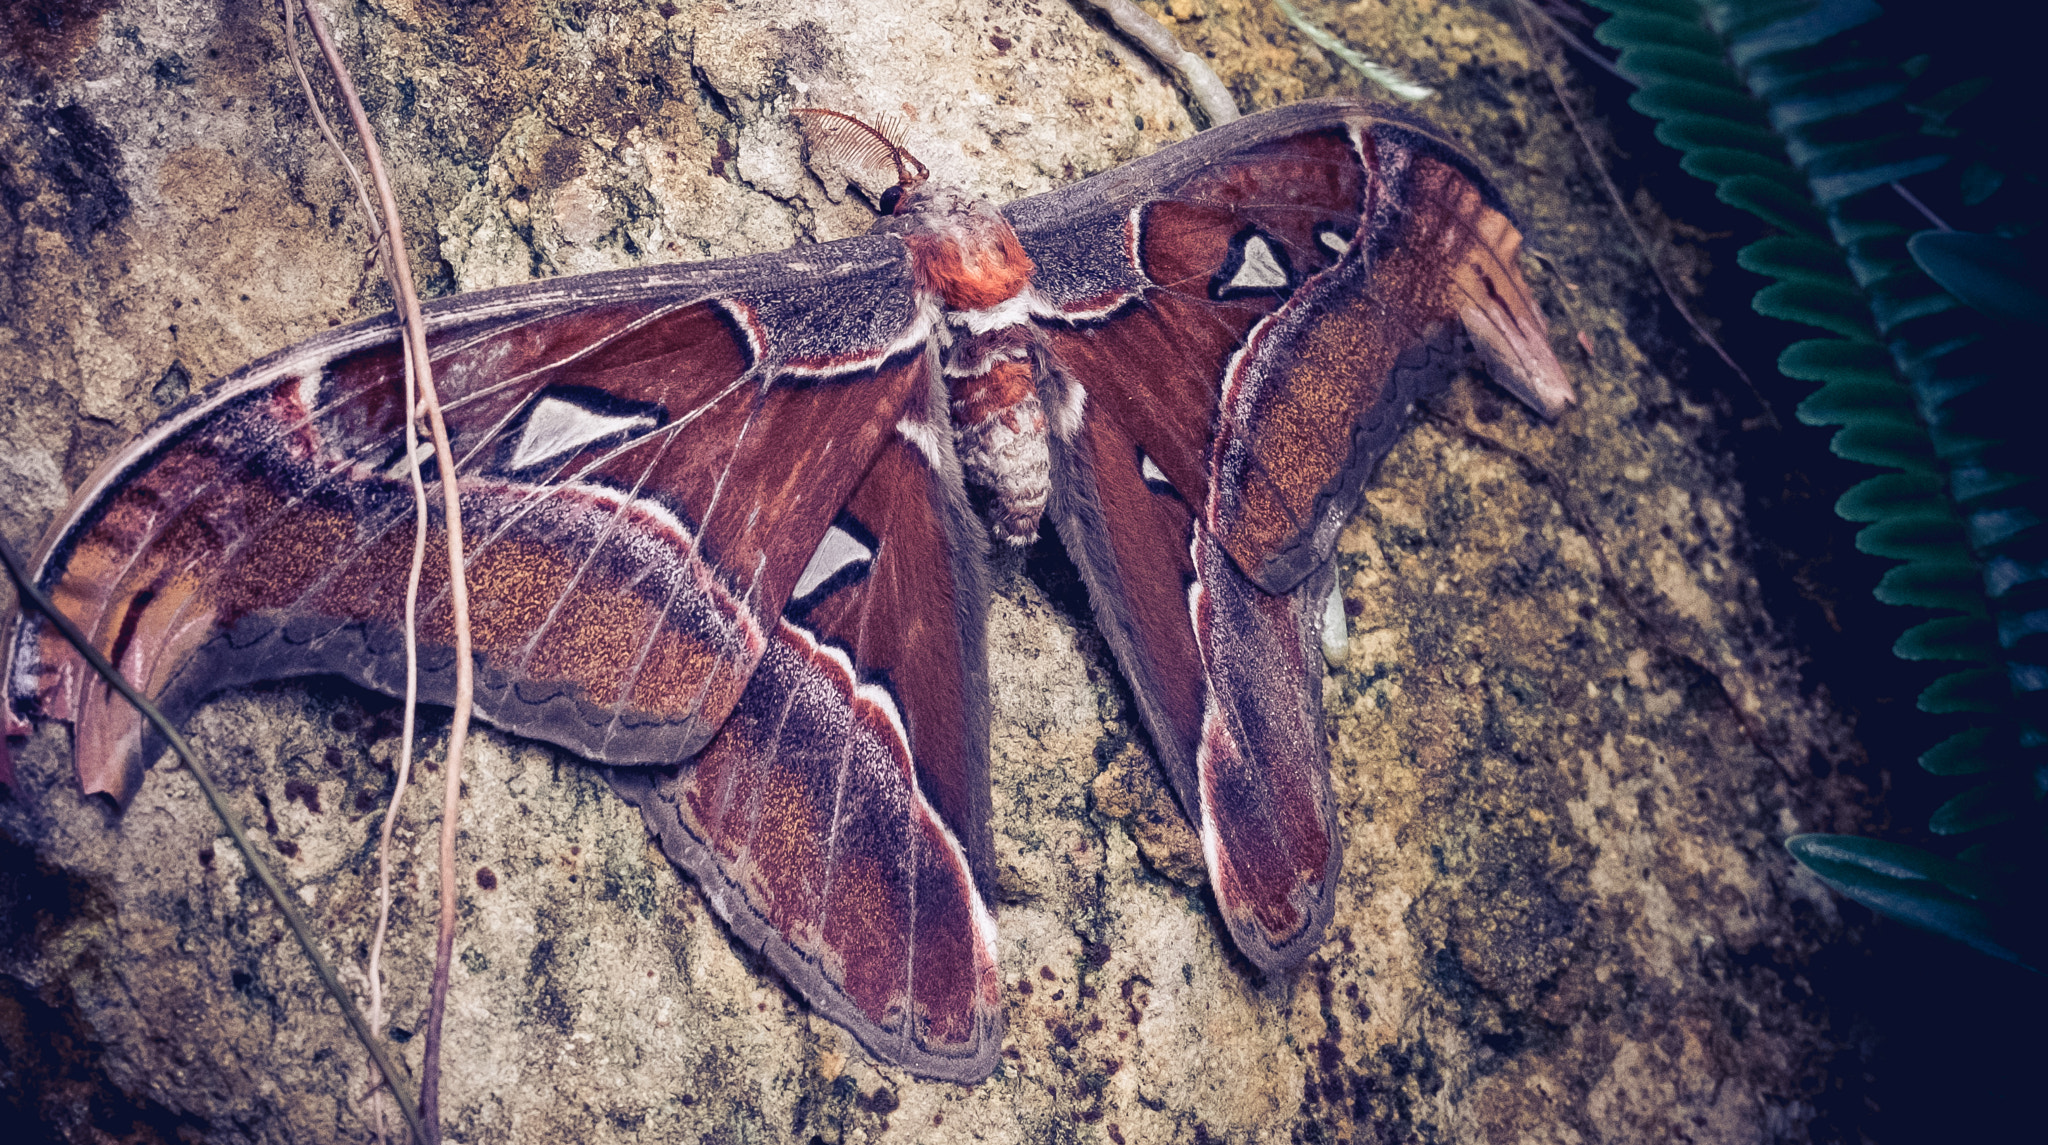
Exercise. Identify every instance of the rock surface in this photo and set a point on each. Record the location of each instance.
(1566, 743)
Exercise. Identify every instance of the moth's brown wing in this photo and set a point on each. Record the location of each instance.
(818, 816)
(710, 513)
(1234, 331)
(646, 460)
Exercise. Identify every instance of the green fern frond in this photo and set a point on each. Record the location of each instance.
(1784, 107)
(1942, 895)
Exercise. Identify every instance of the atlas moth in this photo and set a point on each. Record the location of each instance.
(721, 537)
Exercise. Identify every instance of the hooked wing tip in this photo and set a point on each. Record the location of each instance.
(107, 733)
(1502, 317)
(1519, 357)
(107, 747)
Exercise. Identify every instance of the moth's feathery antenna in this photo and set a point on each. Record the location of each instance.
(856, 146)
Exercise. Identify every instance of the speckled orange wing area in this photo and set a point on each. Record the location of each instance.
(642, 480)
(839, 820)
(1319, 390)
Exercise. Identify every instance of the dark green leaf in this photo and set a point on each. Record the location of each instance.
(1976, 690)
(1964, 753)
(1717, 163)
(1905, 883)
(1694, 132)
(1688, 10)
(1832, 359)
(1875, 250)
(1630, 29)
(1980, 181)
(1991, 527)
(1647, 63)
(1669, 98)
(1773, 204)
(1835, 188)
(1808, 74)
(1934, 584)
(1840, 403)
(1923, 361)
(1892, 280)
(1937, 536)
(2004, 574)
(2028, 680)
(1880, 497)
(1750, 42)
(1987, 273)
(1951, 446)
(1945, 102)
(1880, 442)
(1784, 256)
(1854, 231)
(1833, 307)
(1893, 312)
(1985, 805)
(1974, 480)
(1950, 638)
(1862, 153)
(1791, 115)
(1941, 400)
(2014, 627)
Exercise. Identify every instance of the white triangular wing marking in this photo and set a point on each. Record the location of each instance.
(1150, 471)
(835, 552)
(557, 426)
(1259, 270)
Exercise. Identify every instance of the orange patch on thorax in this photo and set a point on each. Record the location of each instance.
(972, 269)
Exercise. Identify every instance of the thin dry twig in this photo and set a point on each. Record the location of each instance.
(348, 165)
(1635, 230)
(374, 972)
(1158, 41)
(1561, 32)
(1926, 212)
(412, 696)
(414, 325)
(32, 597)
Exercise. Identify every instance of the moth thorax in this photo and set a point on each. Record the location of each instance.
(963, 250)
(999, 429)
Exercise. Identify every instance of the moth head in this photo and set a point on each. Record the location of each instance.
(866, 153)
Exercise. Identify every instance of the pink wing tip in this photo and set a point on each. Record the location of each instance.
(1520, 359)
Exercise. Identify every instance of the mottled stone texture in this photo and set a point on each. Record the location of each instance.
(1567, 742)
